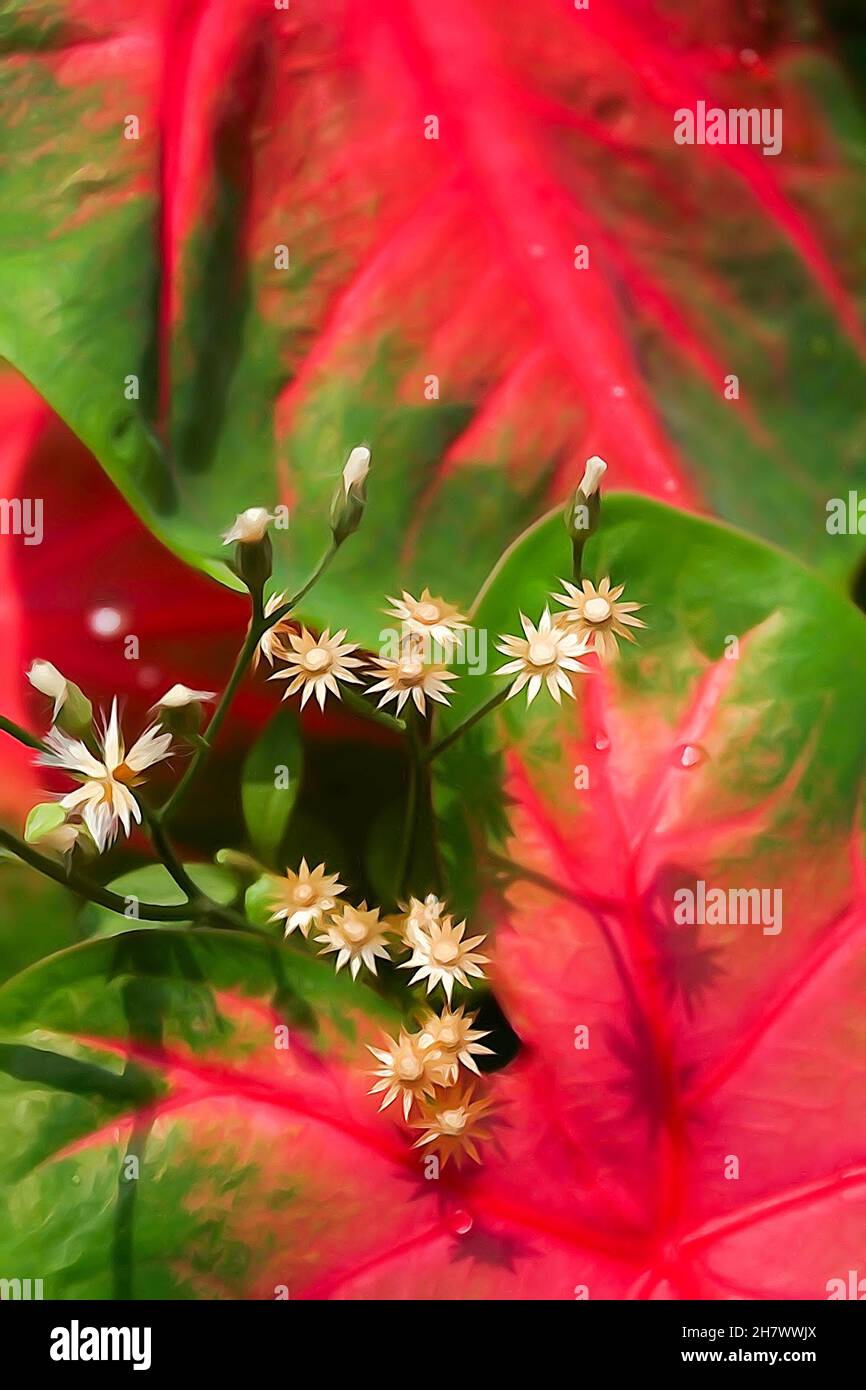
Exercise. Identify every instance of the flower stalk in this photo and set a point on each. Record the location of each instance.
(466, 724)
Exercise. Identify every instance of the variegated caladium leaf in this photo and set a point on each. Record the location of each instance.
(684, 1118)
(238, 239)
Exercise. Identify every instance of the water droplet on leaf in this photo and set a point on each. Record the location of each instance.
(691, 755)
(460, 1221)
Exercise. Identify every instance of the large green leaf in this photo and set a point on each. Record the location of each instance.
(36, 917)
(707, 590)
(73, 1059)
(409, 259)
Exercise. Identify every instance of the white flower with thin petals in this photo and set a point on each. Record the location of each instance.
(356, 468)
(593, 473)
(452, 1036)
(357, 936)
(179, 696)
(407, 1070)
(46, 678)
(442, 956)
(316, 664)
(271, 643)
(543, 656)
(454, 1123)
(419, 917)
(428, 616)
(104, 801)
(303, 899)
(249, 527)
(598, 615)
(410, 676)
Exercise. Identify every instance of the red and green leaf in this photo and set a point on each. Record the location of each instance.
(726, 747)
(452, 258)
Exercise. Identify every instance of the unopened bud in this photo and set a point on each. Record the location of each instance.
(72, 710)
(48, 827)
(593, 473)
(350, 499)
(254, 556)
(249, 527)
(583, 510)
(180, 709)
(236, 859)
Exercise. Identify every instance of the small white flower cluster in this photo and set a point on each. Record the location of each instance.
(422, 1067)
(439, 951)
(548, 654)
(315, 666)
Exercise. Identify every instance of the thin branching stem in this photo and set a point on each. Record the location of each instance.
(86, 888)
(259, 625)
(15, 731)
(495, 700)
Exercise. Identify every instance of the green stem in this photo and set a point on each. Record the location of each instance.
(167, 853)
(259, 625)
(577, 548)
(242, 661)
(293, 602)
(94, 892)
(499, 698)
(8, 726)
(407, 852)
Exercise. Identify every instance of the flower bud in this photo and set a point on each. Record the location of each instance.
(48, 827)
(583, 510)
(42, 820)
(180, 709)
(249, 527)
(72, 710)
(237, 860)
(253, 554)
(593, 473)
(350, 499)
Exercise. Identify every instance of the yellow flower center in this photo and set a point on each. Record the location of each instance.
(304, 893)
(596, 610)
(542, 651)
(448, 1035)
(123, 774)
(317, 658)
(454, 1121)
(445, 951)
(412, 668)
(409, 1068)
(427, 612)
(354, 929)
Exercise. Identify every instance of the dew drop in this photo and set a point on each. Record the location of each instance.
(105, 622)
(460, 1222)
(691, 755)
(602, 743)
